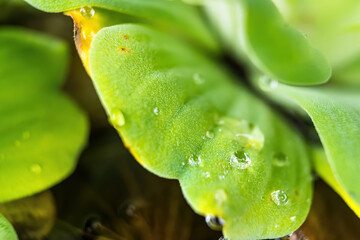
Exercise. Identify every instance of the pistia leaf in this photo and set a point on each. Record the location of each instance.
(42, 130)
(255, 29)
(6, 230)
(335, 111)
(183, 117)
(172, 16)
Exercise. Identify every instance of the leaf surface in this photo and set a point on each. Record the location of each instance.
(256, 30)
(6, 230)
(173, 16)
(335, 111)
(42, 130)
(183, 117)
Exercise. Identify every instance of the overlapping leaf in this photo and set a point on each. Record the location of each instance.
(256, 28)
(42, 131)
(183, 117)
(173, 16)
(6, 230)
(335, 112)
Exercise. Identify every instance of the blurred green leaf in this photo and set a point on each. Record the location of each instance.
(333, 27)
(42, 130)
(256, 28)
(173, 16)
(335, 111)
(183, 117)
(33, 217)
(7, 232)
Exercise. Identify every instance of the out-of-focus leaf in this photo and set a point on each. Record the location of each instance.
(256, 28)
(32, 217)
(183, 117)
(6, 230)
(329, 218)
(323, 168)
(42, 130)
(173, 16)
(335, 112)
(332, 26)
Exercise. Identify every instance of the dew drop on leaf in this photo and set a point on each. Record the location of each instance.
(209, 134)
(198, 79)
(240, 159)
(87, 11)
(215, 223)
(220, 197)
(156, 111)
(224, 238)
(194, 161)
(279, 197)
(36, 168)
(267, 83)
(280, 160)
(206, 174)
(117, 119)
(293, 218)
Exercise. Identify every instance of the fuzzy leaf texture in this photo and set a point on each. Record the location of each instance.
(6, 230)
(42, 130)
(255, 30)
(183, 117)
(335, 111)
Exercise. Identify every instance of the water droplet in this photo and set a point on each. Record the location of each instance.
(206, 174)
(156, 111)
(293, 218)
(209, 134)
(267, 83)
(220, 197)
(26, 135)
(280, 160)
(221, 177)
(36, 168)
(224, 238)
(193, 161)
(117, 119)
(279, 197)
(276, 226)
(183, 163)
(215, 223)
(87, 11)
(198, 79)
(92, 225)
(240, 159)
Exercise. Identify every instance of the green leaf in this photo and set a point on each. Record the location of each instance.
(335, 111)
(6, 230)
(183, 117)
(172, 16)
(256, 28)
(42, 130)
(323, 168)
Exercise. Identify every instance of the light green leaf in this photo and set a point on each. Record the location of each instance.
(173, 16)
(7, 232)
(42, 131)
(256, 28)
(324, 170)
(183, 117)
(335, 111)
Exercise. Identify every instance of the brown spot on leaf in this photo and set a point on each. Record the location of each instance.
(125, 37)
(124, 49)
